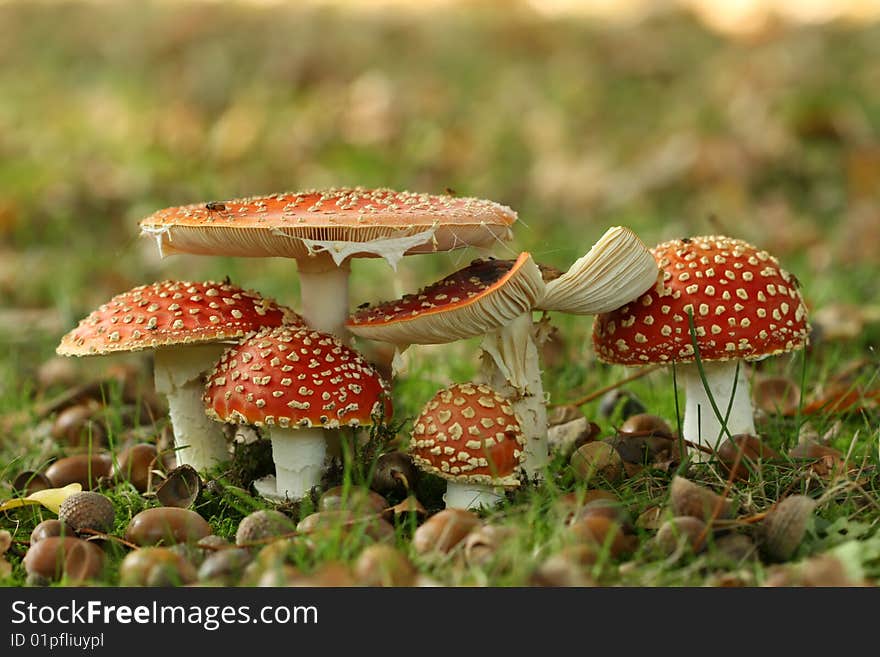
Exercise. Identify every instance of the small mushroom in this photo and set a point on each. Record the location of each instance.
(469, 435)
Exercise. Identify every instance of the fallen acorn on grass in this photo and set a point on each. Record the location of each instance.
(166, 525)
(443, 531)
(597, 461)
(87, 510)
(785, 526)
(689, 499)
(155, 566)
(67, 557)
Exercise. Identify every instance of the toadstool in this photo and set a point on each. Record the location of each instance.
(744, 307)
(188, 325)
(297, 382)
(324, 229)
(469, 435)
(495, 299)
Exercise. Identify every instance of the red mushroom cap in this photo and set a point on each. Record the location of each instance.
(295, 377)
(470, 434)
(276, 225)
(744, 305)
(173, 313)
(471, 301)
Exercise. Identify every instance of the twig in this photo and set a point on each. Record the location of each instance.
(601, 391)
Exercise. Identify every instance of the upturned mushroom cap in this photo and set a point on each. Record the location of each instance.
(294, 224)
(295, 377)
(472, 301)
(173, 313)
(468, 433)
(744, 305)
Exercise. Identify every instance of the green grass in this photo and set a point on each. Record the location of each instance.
(110, 112)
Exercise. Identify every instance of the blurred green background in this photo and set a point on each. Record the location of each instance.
(768, 130)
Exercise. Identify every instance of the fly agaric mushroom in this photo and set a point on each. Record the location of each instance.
(495, 299)
(298, 383)
(744, 307)
(188, 325)
(324, 229)
(469, 435)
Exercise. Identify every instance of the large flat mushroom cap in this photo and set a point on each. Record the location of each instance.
(170, 313)
(297, 224)
(744, 305)
(472, 301)
(292, 377)
(468, 433)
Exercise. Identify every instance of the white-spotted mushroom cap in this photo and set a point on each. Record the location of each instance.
(170, 313)
(481, 297)
(468, 433)
(291, 224)
(744, 305)
(294, 377)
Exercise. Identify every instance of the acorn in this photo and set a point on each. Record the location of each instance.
(75, 426)
(28, 482)
(598, 531)
(785, 526)
(168, 525)
(646, 424)
(84, 469)
(384, 565)
(689, 499)
(484, 543)
(135, 465)
(261, 525)
(224, 565)
(155, 566)
(87, 510)
(443, 531)
(597, 461)
(753, 451)
(357, 499)
(64, 556)
(48, 528)
(344, 524)
(681, 531)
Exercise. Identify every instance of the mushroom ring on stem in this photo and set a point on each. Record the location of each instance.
(298, 383)
(718, 301)
(495, 299)
(324, 229)
(469, 435)
(188, 325)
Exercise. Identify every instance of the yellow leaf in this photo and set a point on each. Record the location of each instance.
(51, 498)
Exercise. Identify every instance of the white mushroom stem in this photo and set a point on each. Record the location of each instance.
(511, 365)
(198, 440)
(324, 293)
(471, 496)
(299, 456)
(701, 424)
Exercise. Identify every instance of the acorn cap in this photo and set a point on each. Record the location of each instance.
(468, 433)
(295, 377)
(87, 510)
(472, 301)
(170, 313)
(744, 305)
(293, 224)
